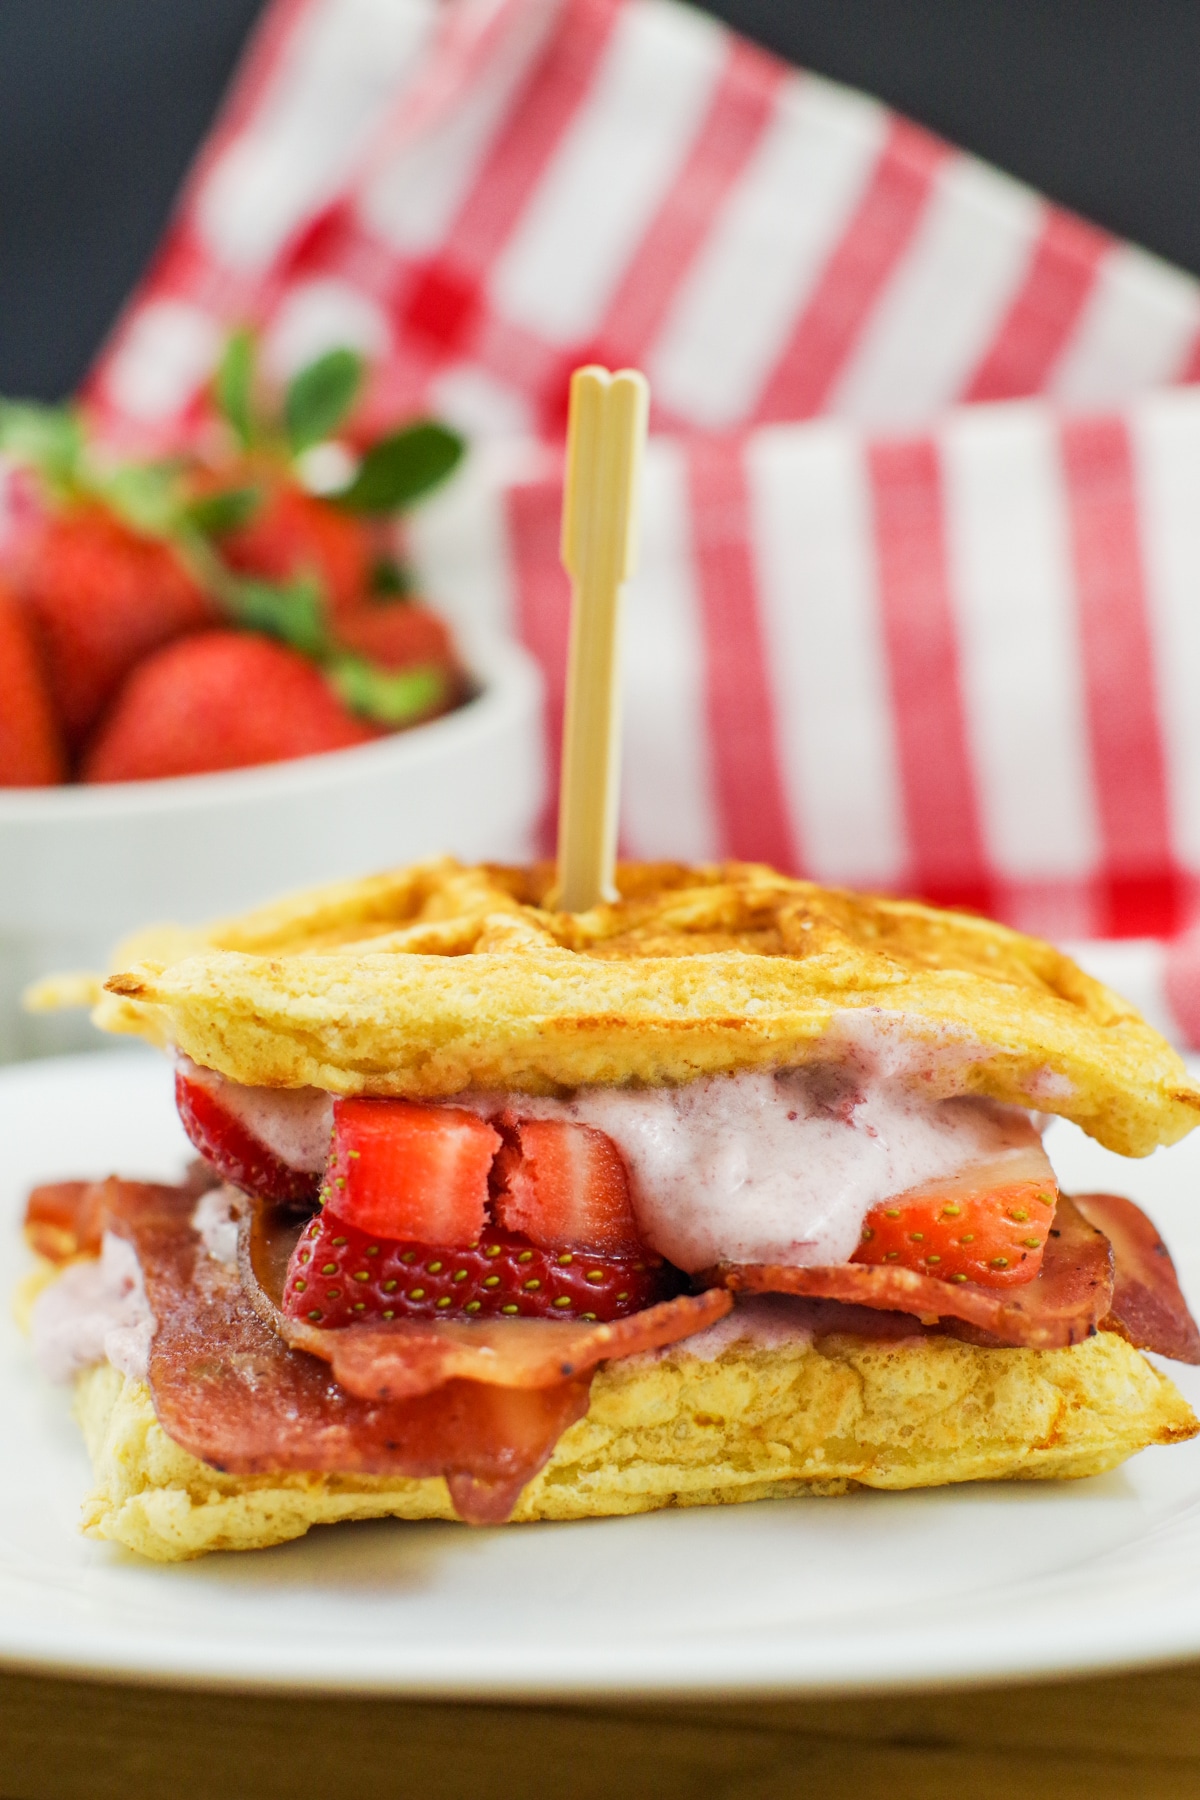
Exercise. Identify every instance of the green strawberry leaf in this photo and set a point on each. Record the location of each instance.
(233, 385)
(398, 698)
(390, 579)
(399, 468)
(218, 514)
(292, 611)
(145, 495)
(320, 397)
(50, 438)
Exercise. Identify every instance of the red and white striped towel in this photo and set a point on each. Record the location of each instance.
(922, 641)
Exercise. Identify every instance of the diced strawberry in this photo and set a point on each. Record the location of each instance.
(219, 700)
(973, 1229)
(31, 750)
(341, 1275)
(233, 1150)
(410, 1171)
(564, 1186)
(102, 597)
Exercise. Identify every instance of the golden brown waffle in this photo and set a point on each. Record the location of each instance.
(437, 978)
(750, 1423)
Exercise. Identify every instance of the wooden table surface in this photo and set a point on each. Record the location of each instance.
(1109, 1739)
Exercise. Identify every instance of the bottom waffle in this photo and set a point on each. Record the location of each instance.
(753, 1422)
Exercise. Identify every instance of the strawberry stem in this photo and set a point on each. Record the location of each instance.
(233, 386)
(386, 697)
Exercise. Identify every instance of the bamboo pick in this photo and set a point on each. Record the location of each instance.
(606, 431)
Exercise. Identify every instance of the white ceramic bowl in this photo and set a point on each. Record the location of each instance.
(80, 867)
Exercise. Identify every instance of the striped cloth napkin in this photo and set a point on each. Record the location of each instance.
(919, 601)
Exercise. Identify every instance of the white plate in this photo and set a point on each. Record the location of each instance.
(874, 1590)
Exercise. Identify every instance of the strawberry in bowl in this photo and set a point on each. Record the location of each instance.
(225, 608)
(210, 668)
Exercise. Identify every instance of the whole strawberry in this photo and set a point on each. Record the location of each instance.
(259, 507)
(219, 700)
(101, 596)
(396, 634)
(31, 751)
(292, 534)
(128, 557)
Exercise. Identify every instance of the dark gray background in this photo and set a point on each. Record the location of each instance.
(102, 103)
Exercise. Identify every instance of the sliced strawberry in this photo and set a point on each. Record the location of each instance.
(341, 1275)
(978, 1227)
(564, 1185)
(410, 1171)
(233, 1150)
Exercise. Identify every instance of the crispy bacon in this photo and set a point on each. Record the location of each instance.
(230, 1391)
(1062, 1305)
(407, 1357)
(483, 1405)
(414, 1356)
(228, 1388)
(1148, 1306)
(66, 1219)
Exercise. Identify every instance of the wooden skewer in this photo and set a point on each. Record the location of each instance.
(606, 431)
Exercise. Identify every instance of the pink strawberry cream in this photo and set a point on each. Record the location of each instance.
(778, 1167)
(293, 1123)
(784, 1168)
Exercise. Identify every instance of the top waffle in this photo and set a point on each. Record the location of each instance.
(437, 978)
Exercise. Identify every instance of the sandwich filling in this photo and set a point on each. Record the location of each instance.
(780, 1167)
(392, 1287)
(870, 1179)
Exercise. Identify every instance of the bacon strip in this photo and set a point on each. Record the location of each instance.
(408, 1357)
(484, 1405)
(1062, 1305)
(63, 1220)
(66, 1219)
(1148, 1306)
(229, 1390)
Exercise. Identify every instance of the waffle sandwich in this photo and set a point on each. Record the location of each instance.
(731, 1188)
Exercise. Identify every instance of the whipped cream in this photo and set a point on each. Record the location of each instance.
(95, 1310)
(215, 1222)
